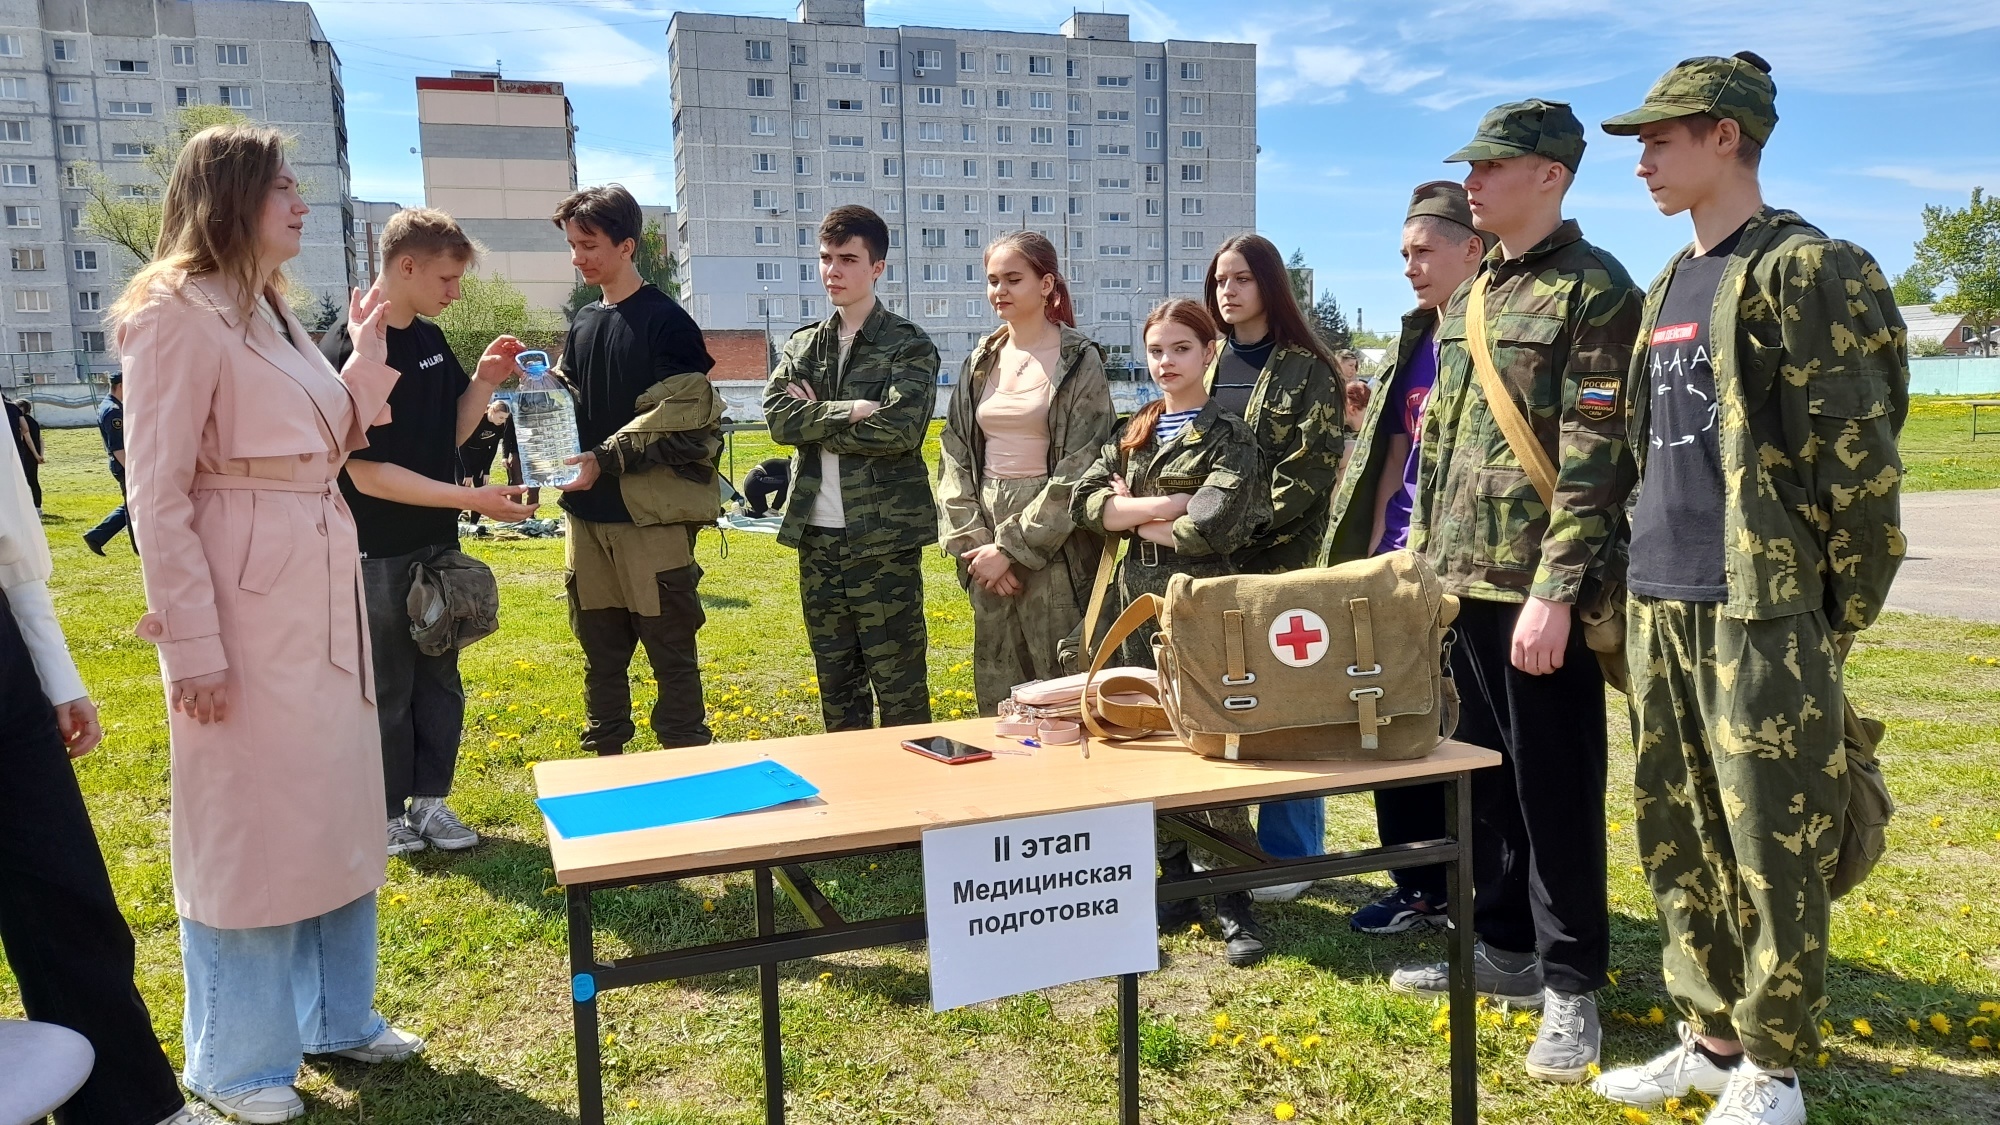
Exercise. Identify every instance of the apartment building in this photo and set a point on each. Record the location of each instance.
(1135, 158)
(98, 83)
(499, 155)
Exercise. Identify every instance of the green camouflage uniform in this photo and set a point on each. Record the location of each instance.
(1560, 318)
(1737, 707)
(1294, 412)
(1353, 520)
(1017, 639)
(862, 586)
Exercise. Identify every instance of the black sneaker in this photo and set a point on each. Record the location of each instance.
(1401, 909)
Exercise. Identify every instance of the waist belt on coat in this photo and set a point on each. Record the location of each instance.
(343, 630)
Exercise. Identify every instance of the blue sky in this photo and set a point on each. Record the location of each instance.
(1885, 105)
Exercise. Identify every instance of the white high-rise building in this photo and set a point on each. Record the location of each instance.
(1134, 158)
(98, 83)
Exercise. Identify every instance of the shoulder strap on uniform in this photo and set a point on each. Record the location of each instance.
(1513, 425)
(1107, 565)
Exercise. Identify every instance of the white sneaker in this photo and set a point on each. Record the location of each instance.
(1283, 892)
(432, 819)
(190, 1115)
(1758, 1097)
(393, 1045)
(1675, 1074)
(403, 840)
(267, 1106)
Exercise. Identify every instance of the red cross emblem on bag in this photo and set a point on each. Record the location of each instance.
(1298, 637)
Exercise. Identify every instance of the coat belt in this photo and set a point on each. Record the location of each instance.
(342, 569)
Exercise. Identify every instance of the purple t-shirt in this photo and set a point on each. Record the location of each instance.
(1404, 414)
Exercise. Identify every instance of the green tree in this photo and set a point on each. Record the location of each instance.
(1911, 290)
(1330, 322)
(130, 218)
(652, 261)
(490, 306)
(1301, 275)
(1960, 249)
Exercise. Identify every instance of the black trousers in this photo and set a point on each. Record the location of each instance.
(608, 638)
(419, 700)
(69, 947)
(1410, 814)
(1538, 864)
(765, 491)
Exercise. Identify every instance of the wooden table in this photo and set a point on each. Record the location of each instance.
(1982, 404)
(875, 797)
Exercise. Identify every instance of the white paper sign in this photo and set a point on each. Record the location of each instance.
(1016, 905)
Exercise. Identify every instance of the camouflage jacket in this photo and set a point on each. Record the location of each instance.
(1813, 381)
(1295, 414)
(885, 487)
(1353, 522)
(1561, 321)
(664, 459)
(1215, 458)
(1081, 420)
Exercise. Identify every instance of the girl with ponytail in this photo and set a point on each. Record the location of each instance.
(1030, 412)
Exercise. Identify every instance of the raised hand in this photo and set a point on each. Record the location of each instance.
(498, 361)
(368, 324)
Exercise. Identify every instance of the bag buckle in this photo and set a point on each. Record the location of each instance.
(1231, 681)
(1357, 693)
(1371, 670)
(1238, 702)
(1149, 553)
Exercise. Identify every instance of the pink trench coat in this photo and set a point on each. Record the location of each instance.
(251, 567)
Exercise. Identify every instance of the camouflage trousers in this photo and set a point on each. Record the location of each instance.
(865, 625)
(1015, 637)
(1740, 787)
(1231, 821)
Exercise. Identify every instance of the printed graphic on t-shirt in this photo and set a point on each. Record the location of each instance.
(1413, 411)
(1674, 365)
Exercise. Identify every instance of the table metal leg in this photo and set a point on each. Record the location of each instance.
(767, 981)
(583, 1004)
(1464, 1002)
(1128, 1049)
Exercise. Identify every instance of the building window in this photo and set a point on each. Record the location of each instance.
(237, 96)
(798, 91)
(185, 96)
(1002, 204)
(1114, 150)
(1041, 64)
(892, 166)
(36, 341)
(93, 340)
(129, 109)
(1069, 68)
(804, 203)
(761, 87)
(1191, 106)
(1042, 135)
(1003, 99)
(930, 130)
(27, 259)
(802, 129)
(930, 95)
(1117, 80)
(932, 201)
(932, 166)
(14, 89)
(885, 60)
(972, 238)
(764, 199)
(1114, 251)
(968, 98)
(888, 130)
(1114, 183)
(1152, 107)
(967, 61)
(1190, 72)
(757, 50)
(1003, 169)
(836, 141)
(1152, 140)
(895, 233)
(937, 306)
(89, 300)
(808, 308)
(802, 166)
(1003, 64)
(769, 271)
(798, 54)
(1153, 240)
(1076, 205)
(843, 68)
(129, 148)
(125, 66)
(1191, 138)
(1191, 173)
(928, 60)
(970, 169)
(1152, 72)
(1041, 169)
(85, 261)
(63, 50)
(1190, 205)
(14, 132)
(1076, 103)
(890, 205)
(69, 93)
(1040, 99)
(972, 275)
(763, 125)
(1042, 204)
(24, 216)
(771, 307)
(805, 239)
(1114, 216)
(846, 178)
(1152, 208)
(10, 46)
(1152, 173)
(968, 133)
(18, 175)
(226, 54)
(844, 105)
(888, 94)
(31, 300)
(1114, 115)
(1121, 284)
(934, 240)
(1193, 240)
(74, 217)
(763, 162)
(1190, 272)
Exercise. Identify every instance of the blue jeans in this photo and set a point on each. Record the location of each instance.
(260, 999)
(1292, 829)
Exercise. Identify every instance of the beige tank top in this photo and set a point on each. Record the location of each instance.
(1013, 413)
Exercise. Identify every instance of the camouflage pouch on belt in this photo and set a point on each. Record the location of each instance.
(1336, 663)
(453, 602)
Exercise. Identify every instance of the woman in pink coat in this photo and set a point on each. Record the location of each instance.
(237, 429)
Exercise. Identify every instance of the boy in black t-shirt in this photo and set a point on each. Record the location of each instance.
(649, 424)
(404, 491)
(495, 431)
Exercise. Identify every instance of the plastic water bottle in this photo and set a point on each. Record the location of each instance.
(545, 424)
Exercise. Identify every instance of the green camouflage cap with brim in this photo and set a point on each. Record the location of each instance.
(1445, 199)
(1530, 128)
(1738, 88)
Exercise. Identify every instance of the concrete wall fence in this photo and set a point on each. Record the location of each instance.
(1955, 375)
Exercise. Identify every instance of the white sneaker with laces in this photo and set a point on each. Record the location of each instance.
(440, 827)
(1675, 1073)
(191, 1115)
(1756, 1096)
(267, 1106)
(393, 1045)
(1283, 892)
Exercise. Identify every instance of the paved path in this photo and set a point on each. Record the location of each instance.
(1953, 568)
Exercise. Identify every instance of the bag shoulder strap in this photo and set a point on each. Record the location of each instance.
(1107, 565)
(1513, 425)
(1144, 608)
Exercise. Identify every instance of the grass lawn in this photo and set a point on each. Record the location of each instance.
(473, 949)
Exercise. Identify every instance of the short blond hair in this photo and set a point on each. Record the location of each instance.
(423, 233)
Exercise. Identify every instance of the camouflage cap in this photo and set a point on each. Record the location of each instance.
(1530, 128)
(1738, 88)
(1445, 199)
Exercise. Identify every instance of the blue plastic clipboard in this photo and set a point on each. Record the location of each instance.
(677, 800)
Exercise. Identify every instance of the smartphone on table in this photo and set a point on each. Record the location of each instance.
(950, 751)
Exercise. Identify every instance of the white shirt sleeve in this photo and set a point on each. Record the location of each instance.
(35, 614)
(24, 574)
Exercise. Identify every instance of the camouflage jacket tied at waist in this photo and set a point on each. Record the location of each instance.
(1215, 459)
(885, 488)
(664, 459)
(1081, 420)
(1561, 321)
(1294, 413)
(1349, 536)
(1813, 382)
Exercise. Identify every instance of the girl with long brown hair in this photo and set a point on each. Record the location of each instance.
(239, 431)
(1029, 414)
(1183, 480)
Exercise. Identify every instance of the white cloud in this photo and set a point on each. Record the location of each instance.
(613, 44)
(1961, 179)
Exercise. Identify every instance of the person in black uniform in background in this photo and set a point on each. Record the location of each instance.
(765, 487)
(475, 457)
(111, 428)
(27, 434)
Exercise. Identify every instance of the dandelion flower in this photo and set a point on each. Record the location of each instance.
(1896, 1071)
(1826, 1029)
(1913, 1025)
(1864, 1029)
(1636, 1116)
(1940, 1023)
(1309, 1042)
(1283, 1111)
(1268, 1041)
(1980, 1043)
(1655, 1016)
(1238, 1041)
(708, 906)
(1823, 1058)
(1222, 1021)
(631, 1103)
(1215, 1039)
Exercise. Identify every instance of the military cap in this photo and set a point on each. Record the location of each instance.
(1530, 128)
(1738, 88)
(1446, 200)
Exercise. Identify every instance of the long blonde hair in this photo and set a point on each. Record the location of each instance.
(209, 220)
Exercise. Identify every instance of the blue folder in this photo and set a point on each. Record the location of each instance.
(677, 800)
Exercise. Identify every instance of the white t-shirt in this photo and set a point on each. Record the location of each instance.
(826, 509)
